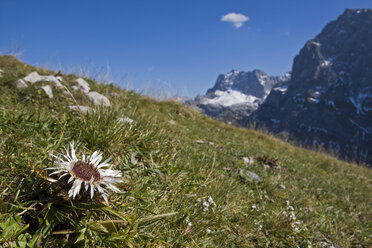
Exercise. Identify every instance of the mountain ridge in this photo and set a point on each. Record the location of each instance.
(328, 92)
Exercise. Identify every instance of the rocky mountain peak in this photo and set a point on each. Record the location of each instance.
(329, 97)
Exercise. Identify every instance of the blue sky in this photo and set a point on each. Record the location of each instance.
(178, 46)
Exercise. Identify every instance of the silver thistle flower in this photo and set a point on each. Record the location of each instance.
(87, 170)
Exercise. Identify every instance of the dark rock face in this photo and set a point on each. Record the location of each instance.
(329, 96)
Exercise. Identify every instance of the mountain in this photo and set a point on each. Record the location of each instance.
(237, 94)
(325, 101)
(329, 96)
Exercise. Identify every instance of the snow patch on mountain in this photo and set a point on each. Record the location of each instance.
(231, 97)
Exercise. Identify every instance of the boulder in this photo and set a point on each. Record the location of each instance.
(81, 108)
(34, 77)
(81, 85)
(48, 90)
(20, 84)
(249, 176)
(98, 99)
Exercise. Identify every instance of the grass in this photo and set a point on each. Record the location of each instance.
(313, 200)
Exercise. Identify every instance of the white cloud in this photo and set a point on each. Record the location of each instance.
(235, 18)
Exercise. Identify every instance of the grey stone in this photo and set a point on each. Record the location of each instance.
(248, 160)
(81, 108)
(249, 176)
(34, 77)
(20, 84)
(126, 119)
(52, 79)
(204, 142)
(114, 94)
(1, 73)
(98, 99)
(48, 90)
(59, 78)
(81, 85)
(282, 186)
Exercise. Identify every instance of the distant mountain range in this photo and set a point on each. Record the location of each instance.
(326, 100)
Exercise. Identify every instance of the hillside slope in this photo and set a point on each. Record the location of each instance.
(181, 176)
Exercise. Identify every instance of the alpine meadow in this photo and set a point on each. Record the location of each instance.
(170, 176)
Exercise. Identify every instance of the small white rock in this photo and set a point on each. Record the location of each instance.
(1, 73)
(20, 84)
(98, 99)
(83, 109)
(59, 78)
(126, 119)
(52, 79)
(248, 160)
(114, 94)
(204, 142)
(282, 186)
(48, 90)
(75, 87)
(81, 85)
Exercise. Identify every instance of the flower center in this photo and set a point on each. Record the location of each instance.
(86, 171)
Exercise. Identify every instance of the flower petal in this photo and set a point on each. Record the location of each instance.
(112, 187)
(105, 198)
(77, 187)
(69, 180)
(91, 191)
(73, 155)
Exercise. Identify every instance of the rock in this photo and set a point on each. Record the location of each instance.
(126, 119)
(114, 94)
(282, 186)
(328, 99)
(204, 142)
(248, 160)
(48, 90)
(52, 79)
(81, 108)
(81, 85)
(249, 176)
(34, 77)
(20, 84)
(59, 78)
(266, 167)
(1, 73)
(98, 99)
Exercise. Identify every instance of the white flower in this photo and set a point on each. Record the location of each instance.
(207, 203)
(87, 170)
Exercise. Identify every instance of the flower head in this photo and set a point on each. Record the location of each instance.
(88, 171)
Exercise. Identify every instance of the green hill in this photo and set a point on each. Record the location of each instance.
(182, 180)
